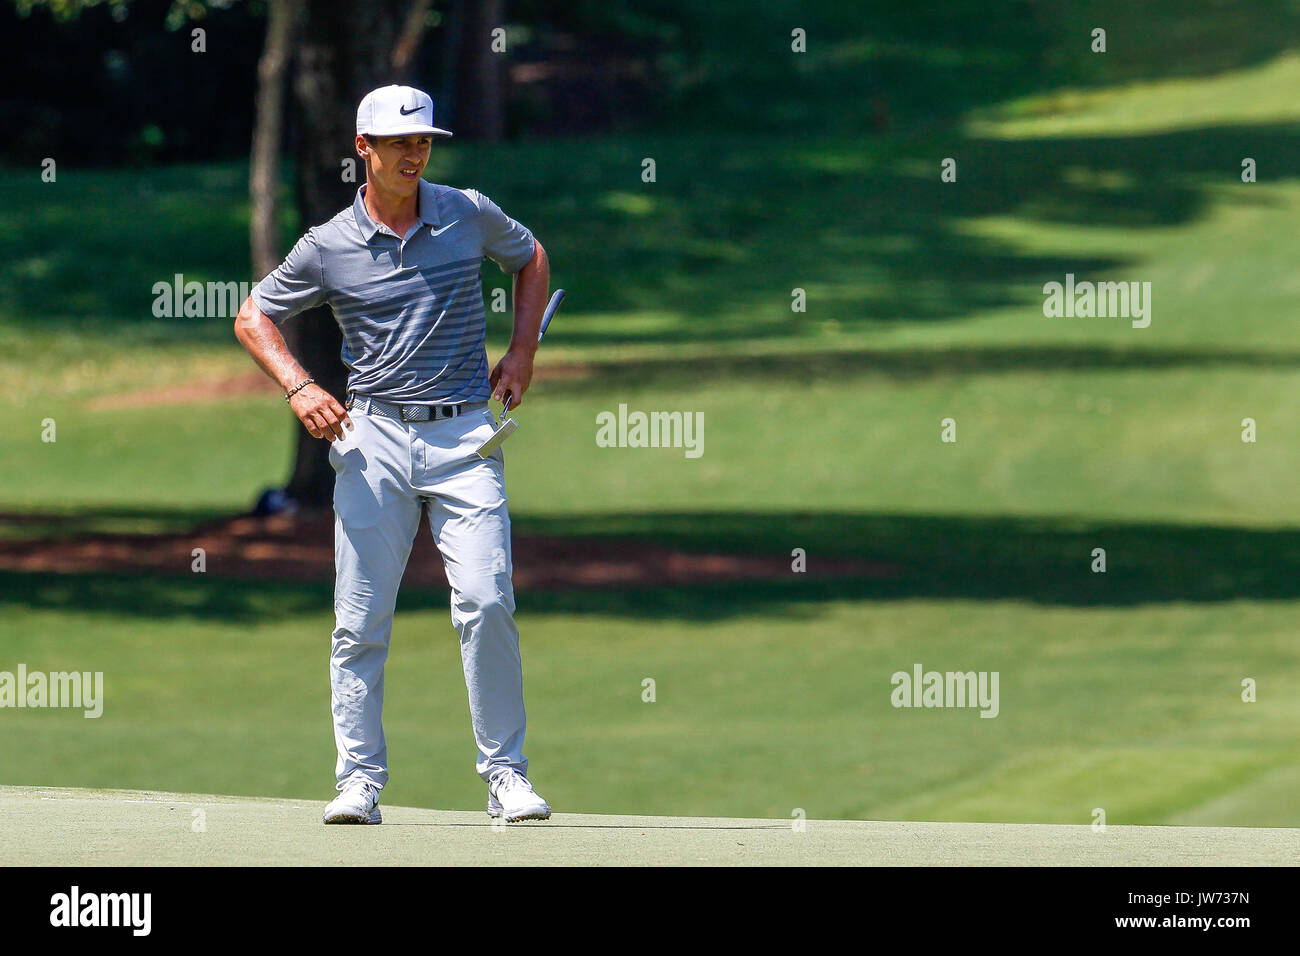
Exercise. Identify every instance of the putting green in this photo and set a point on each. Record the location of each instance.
(57, 827)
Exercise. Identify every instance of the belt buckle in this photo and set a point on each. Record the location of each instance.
(415, 413)
(440, 413)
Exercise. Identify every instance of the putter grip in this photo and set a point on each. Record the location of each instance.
(549, 314)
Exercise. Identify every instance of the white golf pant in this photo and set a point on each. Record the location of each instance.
(388, 473)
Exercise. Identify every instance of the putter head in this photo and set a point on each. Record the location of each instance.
(504, 430)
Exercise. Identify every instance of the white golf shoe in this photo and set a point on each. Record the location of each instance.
(510, 795)
(358, 803)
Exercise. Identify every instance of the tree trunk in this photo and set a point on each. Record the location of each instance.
(344, 49)
(264, 162)
(480, 73)
(408, 41)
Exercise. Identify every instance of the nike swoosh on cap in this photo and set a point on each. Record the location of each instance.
(405, 112)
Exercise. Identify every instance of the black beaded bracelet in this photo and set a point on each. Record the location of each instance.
(298, 388)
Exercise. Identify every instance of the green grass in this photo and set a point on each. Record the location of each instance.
(101, 827)
(211, 684)
(842, 433)
(822, 430)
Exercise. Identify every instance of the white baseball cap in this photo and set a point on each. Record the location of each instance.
(397, 111)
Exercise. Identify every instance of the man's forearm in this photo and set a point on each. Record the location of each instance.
(531, 286)
(266, 345)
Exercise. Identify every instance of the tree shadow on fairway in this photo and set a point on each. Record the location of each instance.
(1046, 561)
(869, 232)
(711, 257)
(606, 378)
(870, 66)
(945, 557)
(775, 170)
(192, 597)
(82, 520)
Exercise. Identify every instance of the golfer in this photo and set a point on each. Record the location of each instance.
(400, 270)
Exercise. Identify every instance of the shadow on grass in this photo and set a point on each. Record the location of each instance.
(902, 364)
(1039, 560)
(83, 520)
(711, 253)
(867, 65)
(868, 230)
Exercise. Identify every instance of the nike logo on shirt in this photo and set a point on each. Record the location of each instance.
(439, 232)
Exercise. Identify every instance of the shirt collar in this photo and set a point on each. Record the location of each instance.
(427, 206)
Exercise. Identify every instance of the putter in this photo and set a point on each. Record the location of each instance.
(508, 425)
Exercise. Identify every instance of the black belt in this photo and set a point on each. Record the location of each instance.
(404, 412)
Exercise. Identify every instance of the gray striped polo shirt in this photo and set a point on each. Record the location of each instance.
(411, 309)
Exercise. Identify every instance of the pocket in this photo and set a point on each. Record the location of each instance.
(483, 431)
(356, 500)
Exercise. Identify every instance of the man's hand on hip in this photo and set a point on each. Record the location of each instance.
(320, 413)
(317, 409)
(512, 374)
